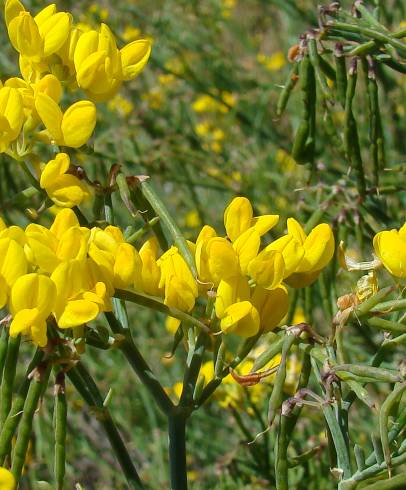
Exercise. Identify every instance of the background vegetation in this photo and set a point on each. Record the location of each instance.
(201, 121)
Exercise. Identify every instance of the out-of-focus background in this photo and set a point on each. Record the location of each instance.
(201, 122)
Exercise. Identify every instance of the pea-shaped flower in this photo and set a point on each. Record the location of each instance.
(101, 66)
(241, 318)
(390, 247)
(272, 305)
(13, 264)
(11, 116)
(239, 216)
(216, 259)
(31, 302)
(177, 280)
(36, 37)
(65, 190)
(72, 128)
(318, 251)
(119, 260)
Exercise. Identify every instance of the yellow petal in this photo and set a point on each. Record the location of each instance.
(12, 9)
(264, 223)
(78, 123)
(54, 169)
(272, 305)
(55, 31)
(13, 263)
(296, 230)
(134, 57)
(291, 250)
(50, 114)
(77, 312)
(64, 220)
(247, 246)
(267, 269)
(242, 319)
(390, 247)
(33, 291)
(7, 480)
(231, 291)
(237, 217)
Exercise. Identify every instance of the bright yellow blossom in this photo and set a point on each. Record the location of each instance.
(11, 116)
(390, 247)
(66, 190)
(7, 480)
(72, 128)
(31, 301)
(318, 251)
(241, 318)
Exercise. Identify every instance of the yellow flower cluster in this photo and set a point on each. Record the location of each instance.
(54, 51)
(250, 279)
(68, 272)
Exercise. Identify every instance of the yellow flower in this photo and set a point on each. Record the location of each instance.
(272, 305)
(130, 33)
(65, 240)
(78, 301)
(233, 290)
(150, 272)
(36, 37)
(72, 128)
(11, 116)
(177, 280)
(267, 269)
(274, 62)
(101, 67)
(241, 318)
(65, 189)
(216, 259)
(120, 261)
(390, 247)
(123, 106)
(292, 252)
(238, 217)
(13, 265)
(318, 251)
(7, 480)
(31, 301)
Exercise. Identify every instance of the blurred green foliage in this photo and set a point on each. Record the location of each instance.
(201, 121)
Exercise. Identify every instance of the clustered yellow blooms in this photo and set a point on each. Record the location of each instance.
(67, 272)
(54, 51)
(249, 280)
(390, 247)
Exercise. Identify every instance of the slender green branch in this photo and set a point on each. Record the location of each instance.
(166, 218)
(156, 304)
(89, 392)
(139, 365)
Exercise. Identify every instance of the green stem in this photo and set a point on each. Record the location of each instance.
(177, 451)
(343, 460)
(10, 424)
(92, 397)
(60, 421)
(8, 377)
(35, 390)
(139, 365)
(171, 225)
(157, 305)
(3, 350)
